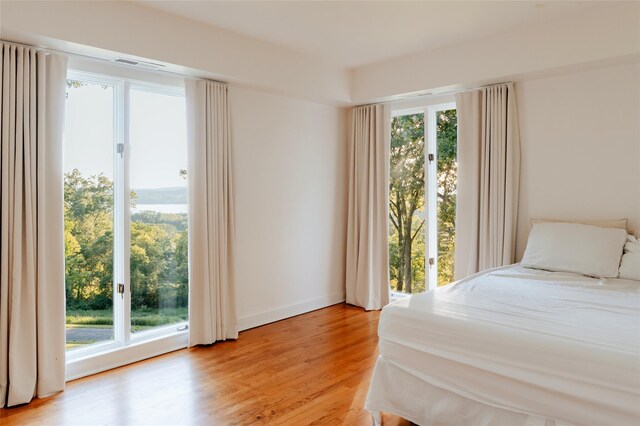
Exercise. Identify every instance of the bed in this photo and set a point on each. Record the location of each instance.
(512, 346)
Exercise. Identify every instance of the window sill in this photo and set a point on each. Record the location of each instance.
(82, 365)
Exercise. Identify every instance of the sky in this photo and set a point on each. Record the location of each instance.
(157, 129)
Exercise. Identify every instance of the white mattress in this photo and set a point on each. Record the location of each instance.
(552, 346)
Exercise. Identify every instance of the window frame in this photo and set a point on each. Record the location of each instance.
(431, 195)
(431, 183)
(126, 347)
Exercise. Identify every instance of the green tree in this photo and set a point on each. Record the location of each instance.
(447, 173)
(158, 250)
(407, 202)
(151, 248)
(406, 198)
(88, 209)
(181, 259)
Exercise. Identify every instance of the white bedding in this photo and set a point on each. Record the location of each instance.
(513, 346)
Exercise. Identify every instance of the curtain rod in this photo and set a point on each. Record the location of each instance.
(434, 95)
(102, 60)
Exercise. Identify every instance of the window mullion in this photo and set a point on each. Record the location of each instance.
(126, 210)
(431, 197)
(120, 214)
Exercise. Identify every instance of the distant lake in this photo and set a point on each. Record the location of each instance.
(162, 208)
(173, 195)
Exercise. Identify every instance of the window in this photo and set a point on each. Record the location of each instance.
(89, 199)
(158, 228)
(125, 212)
(422, 198)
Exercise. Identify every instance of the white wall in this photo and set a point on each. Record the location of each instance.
(601, 34)
(598, 34)
(290, 186)
(111, 29)
(580, 138)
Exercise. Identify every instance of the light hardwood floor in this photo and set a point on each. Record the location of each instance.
(310, 369)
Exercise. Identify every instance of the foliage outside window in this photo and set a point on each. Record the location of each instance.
(159, 262)
(407, 208)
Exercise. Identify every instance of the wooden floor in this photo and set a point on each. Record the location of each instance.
(310, 369)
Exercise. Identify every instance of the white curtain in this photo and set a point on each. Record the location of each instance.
(488, 179)
(212, 310)
(32, 294)
(367, 269)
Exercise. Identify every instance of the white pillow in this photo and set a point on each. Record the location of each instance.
(572, 247)
(630, 265)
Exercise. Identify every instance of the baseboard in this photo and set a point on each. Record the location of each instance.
(284, 312)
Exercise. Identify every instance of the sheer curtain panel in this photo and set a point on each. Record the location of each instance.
(488, 179)
(367, 269)
(212, 310)
(32, 294)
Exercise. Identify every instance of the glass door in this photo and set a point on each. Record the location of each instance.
(158, 209)
(422, 198)
(445, 177)
(90, 220)
(125, 201)
(407, 208)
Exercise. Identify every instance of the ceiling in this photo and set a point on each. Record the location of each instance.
(354, 33)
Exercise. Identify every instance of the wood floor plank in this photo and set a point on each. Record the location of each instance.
(313, 369)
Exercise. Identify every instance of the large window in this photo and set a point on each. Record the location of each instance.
(125, 212)
(422, 198)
